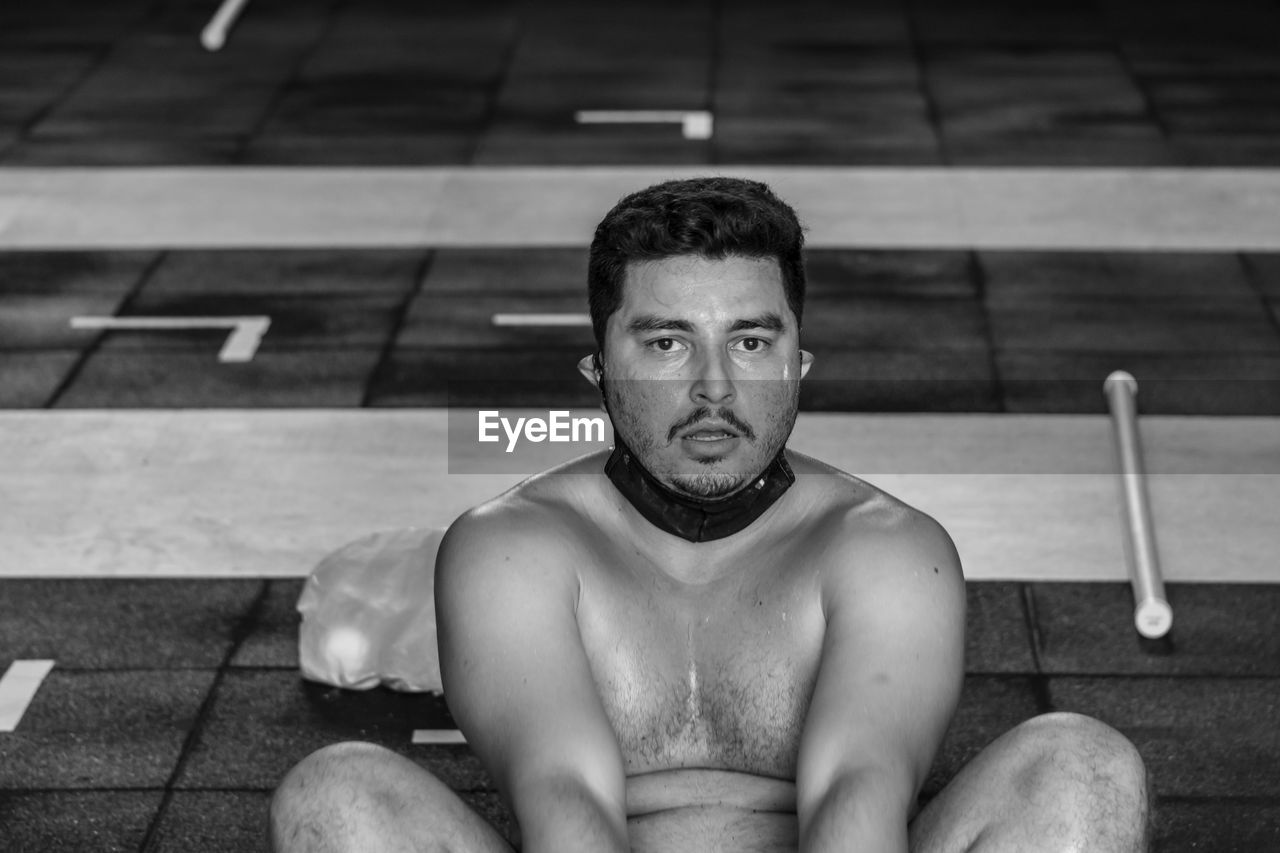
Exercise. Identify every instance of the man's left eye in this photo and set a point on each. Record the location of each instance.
(753, 344)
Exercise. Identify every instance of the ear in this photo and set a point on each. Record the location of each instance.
(806, 361)
(587, 367)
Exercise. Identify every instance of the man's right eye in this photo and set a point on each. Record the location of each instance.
(663, 344)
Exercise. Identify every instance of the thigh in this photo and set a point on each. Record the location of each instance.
(358, 796)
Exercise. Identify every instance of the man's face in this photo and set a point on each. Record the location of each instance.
(701, 370)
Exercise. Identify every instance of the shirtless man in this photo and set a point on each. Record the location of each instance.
(705, 641)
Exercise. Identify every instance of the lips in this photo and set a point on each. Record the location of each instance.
(710, 432)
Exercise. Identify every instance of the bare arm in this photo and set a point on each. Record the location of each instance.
(519, 684)
(890, 678)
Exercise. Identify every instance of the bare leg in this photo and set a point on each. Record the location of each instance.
(1058, 782)
(354, 797)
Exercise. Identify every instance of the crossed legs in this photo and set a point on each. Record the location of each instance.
(1059, 783)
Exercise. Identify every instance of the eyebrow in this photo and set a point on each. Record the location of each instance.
(769, 321)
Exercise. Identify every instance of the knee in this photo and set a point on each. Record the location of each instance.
(1075, 745)
(321, 791)
(1089, 774)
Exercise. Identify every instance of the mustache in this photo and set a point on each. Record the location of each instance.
(706, 413)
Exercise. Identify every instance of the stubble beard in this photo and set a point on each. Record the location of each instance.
(714, 481)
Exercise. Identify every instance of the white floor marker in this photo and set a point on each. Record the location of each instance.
(240, 346)
(694, 124)
(18, 687)
(438, 736)
(541, 320)
(214, 35)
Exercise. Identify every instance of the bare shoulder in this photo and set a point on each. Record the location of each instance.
(533, 530)
(877, 541)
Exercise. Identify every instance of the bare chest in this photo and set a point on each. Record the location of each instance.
(699, 678)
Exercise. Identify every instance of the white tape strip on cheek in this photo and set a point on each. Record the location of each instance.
(18, 688)
(438, 736)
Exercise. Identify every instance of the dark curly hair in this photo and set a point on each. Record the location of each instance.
(714, 218)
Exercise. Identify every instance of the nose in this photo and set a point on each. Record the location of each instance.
(713, 383)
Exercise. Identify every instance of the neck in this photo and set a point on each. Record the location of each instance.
(696, 519)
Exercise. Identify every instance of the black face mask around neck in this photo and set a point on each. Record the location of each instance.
(696, 519)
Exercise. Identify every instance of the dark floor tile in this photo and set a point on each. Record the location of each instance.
(499, 270)
(273, 639)
(1219, 629)
(33, 78)
(996, 636)
(829, 25)
(1264, 272)
(989, 707)
(381, 52)
(112, 729)
(902, 136)
(1217, 104)
(1223, 826)
(198, 120)
(1014, 101)
(900, 380)
(1188, 50)
(423, 149)
(29, 380)
(213, 821)
(30, 320)
(50, 272)
(280, 272)
(1067, 381)
(1058, 148)
(1226, 149)
(1026, 61)
(888, 273)
(464, 321)
(111, 623)
(1200, 737)
(72, 822)
(535, 102)
(139, 149)
(539, 376)
(169, 379)
(33, 23)
(940, 22)
(297, 320)
(378, 105)
(1126, 278)
(1108, 325)
(599, 145)
(862, 151)
(262, 722)
(794, 77)
(874, 322)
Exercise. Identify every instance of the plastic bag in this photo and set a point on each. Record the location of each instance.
(368, 614)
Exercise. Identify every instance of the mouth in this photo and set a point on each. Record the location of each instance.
(711, 433)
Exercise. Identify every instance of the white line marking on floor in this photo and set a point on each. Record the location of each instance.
(18, 687)
(438, 736)
(694, 124)
(541, 320)
(214, 35)
(1031, 209)
(240, 346)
